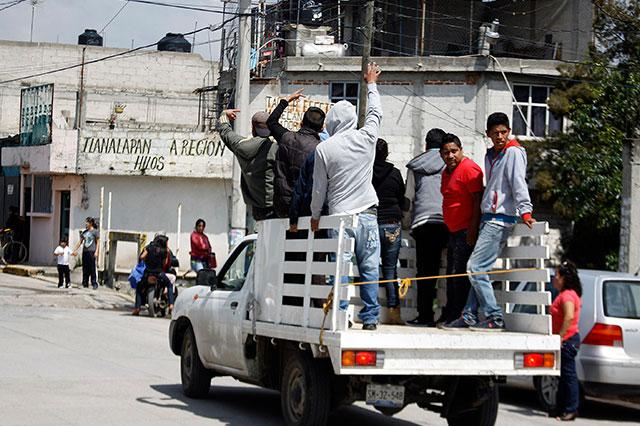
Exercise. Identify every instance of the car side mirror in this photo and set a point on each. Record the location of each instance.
(207, 277)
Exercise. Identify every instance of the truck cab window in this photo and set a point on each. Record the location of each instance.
(232, 277)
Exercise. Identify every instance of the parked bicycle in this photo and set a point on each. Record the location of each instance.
(12, 252)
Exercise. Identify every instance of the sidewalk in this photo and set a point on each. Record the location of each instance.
(101, 298)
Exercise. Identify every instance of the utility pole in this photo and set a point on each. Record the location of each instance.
(630, 215)
(366, 56)
(243, 122)
(33, 12)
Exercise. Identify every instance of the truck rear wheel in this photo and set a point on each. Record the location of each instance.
(196, 379)
(483, 415)
(306, 391)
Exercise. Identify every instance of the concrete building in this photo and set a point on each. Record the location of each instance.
(127, 140)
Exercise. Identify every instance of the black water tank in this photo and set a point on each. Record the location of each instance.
(173, 42)
(90, 38)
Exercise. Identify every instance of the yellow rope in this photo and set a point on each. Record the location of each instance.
(405, 284)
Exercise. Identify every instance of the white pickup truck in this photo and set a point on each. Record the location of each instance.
(262, 322)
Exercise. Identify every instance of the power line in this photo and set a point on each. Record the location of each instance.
(114, 16)
(14, 3)
(177, 6)
(115, 55)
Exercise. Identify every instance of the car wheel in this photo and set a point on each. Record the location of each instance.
(196, 379)
(547, 391)
(306, 391)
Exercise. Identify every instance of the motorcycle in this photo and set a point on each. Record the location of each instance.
(155, 288)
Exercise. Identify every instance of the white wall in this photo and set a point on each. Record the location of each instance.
(150, 204)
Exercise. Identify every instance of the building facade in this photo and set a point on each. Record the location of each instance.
(127, 140)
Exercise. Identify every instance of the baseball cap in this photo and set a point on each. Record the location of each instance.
(259, 123)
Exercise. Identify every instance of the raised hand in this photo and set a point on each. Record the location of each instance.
(373, 71)
(231, 114)
(295, 95)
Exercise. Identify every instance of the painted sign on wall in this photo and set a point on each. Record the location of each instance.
(292, 116)
(153, 153)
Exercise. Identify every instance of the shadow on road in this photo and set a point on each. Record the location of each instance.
(527, 404)
(241, 405)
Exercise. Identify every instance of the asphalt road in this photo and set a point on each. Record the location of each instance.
(79, 358)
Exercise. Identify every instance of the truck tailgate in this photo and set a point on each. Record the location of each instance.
(404, 350)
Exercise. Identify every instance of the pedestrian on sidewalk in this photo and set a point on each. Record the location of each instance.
(424, 179)
(505, 197)
(63, 252)
(90, 241)
(293, 150)
(342, 176)
(256, 156)
(201, 255)
(461, 197)
(565, 316)
(389, 187)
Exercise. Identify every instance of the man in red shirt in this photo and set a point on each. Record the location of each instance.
(461, 196)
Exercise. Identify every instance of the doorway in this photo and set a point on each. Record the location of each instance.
(65, 214)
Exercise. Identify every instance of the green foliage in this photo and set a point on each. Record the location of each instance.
(580, 172)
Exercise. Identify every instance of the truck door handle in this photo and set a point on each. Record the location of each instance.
(234, 306)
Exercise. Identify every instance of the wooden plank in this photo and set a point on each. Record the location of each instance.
(525, 252)
(298, 290)
(324, 246)
(327, 222)
(528, 323)
(522, 230)
(534, 275)
(292, 315)
(523, 297)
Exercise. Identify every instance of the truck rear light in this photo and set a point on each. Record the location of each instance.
(604, 335)
(535, 360)
(359, 358)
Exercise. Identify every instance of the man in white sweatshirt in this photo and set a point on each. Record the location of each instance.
(342, 177)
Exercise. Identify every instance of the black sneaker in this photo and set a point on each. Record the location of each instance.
(492, 325)
(370, 327)
(85, 285)
(419, 322)
(459, 324)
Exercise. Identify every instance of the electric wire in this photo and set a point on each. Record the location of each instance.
(114, 16)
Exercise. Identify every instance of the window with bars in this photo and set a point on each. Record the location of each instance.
(344, 91)
(532, 101)
(42, 190)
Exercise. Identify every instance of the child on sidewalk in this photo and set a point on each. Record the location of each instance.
(64, 274)
(506, 197)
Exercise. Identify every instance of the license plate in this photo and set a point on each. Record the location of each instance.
(385, 395)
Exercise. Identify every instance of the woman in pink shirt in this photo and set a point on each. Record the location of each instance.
(565, 315)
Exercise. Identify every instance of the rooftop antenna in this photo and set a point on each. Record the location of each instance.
(34, 3)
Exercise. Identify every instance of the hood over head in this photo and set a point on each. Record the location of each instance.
(341, 117)
(428, 163)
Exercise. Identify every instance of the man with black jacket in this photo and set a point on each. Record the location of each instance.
(293, 150)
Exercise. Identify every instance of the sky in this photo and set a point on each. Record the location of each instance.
(63, 20)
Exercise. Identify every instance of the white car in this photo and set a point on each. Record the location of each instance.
(608, 362)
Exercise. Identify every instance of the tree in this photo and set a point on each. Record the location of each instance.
(580, 172)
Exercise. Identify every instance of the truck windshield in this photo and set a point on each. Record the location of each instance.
(621, 299)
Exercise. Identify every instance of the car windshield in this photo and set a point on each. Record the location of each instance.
(622, 299)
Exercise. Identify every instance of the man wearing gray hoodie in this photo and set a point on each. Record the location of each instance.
(505, 198)
(342, 177)
(424, 177)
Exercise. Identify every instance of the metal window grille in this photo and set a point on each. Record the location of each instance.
(42, 192)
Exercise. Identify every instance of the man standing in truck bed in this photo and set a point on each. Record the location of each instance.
(342, 176)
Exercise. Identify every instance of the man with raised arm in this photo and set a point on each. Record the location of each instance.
(342, 177)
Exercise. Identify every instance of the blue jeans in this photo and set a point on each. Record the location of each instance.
(569, 389)
(491, 240)
(367, 253)
(390, 241)
(197, 265)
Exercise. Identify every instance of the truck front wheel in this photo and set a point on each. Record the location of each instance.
(306, 391)
(484, 414)
(196, 379)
